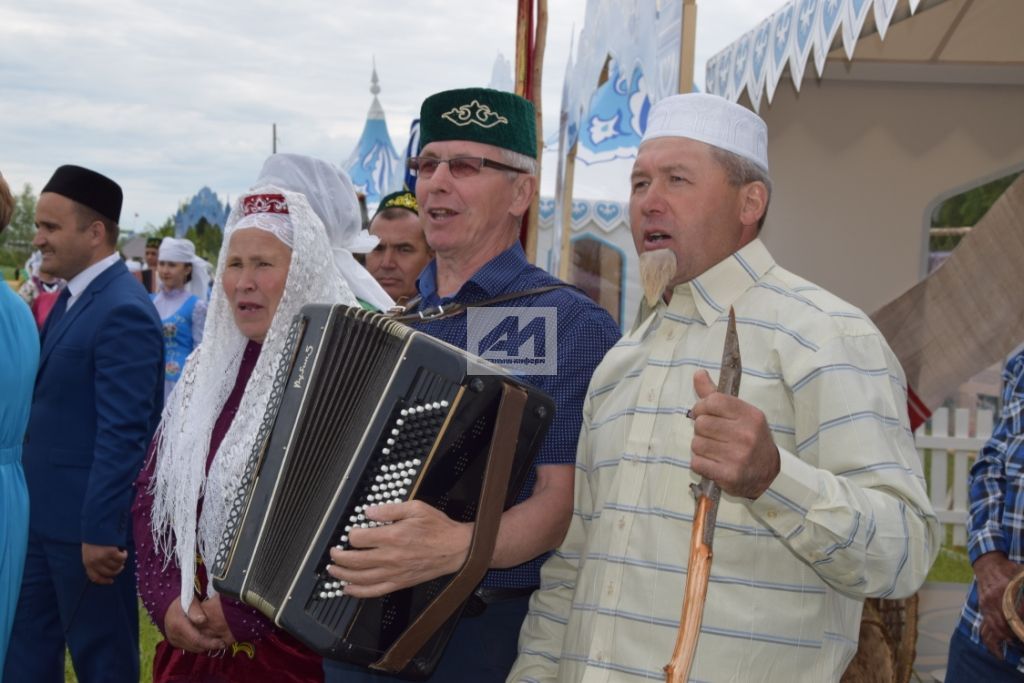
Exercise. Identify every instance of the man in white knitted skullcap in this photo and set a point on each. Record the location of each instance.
(822, 504)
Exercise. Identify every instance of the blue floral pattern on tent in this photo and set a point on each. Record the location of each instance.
(756, 61)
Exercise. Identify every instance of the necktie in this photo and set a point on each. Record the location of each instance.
(57, 312)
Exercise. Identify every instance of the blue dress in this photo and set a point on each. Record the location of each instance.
(180, 338)
(19, 340)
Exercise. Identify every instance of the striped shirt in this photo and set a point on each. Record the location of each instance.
(996, 520)
(846, 518)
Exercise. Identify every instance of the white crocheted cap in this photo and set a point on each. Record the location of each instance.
(712, 120)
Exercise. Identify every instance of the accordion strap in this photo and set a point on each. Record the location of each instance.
(450, 310)
(485, 532)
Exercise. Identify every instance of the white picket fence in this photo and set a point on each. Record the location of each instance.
(941, 444)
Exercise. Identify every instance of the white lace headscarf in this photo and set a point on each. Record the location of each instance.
(333, 198)
(181, 479)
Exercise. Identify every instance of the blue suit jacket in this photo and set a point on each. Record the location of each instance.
(97, 401)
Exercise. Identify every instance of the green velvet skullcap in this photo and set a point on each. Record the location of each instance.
(493, 117)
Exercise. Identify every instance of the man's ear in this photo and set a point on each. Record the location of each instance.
(753, 204)
(523, 192)
(97, 233)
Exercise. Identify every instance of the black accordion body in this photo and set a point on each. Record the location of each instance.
(368, 411)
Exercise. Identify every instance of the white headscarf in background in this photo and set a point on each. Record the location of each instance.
(194, 405)
(32, 264)
(183, 251)
(333, 198)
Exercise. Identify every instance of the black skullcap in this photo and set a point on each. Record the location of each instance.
(89, 188)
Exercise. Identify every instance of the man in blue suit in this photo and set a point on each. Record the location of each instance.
(97, 401)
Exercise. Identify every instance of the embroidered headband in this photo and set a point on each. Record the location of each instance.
(403, 199)
(264, 203)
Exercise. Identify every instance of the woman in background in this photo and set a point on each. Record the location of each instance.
(181, 303)
(40, 290)
(19, 340)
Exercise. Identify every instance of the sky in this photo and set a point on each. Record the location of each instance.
(166, 97)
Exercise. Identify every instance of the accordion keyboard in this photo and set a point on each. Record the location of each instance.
(392, 475)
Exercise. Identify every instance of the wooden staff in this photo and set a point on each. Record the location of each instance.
(698, 570)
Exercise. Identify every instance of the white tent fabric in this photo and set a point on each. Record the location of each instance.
(757, 60)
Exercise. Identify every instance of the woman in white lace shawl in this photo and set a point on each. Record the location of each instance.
(275, 259)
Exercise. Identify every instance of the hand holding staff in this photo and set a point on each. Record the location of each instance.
(707, 494)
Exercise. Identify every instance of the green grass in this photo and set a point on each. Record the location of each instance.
(951, 566)
(149, 636)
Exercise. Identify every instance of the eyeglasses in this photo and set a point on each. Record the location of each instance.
(459, 167)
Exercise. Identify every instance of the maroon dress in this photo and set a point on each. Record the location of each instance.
(262, 651)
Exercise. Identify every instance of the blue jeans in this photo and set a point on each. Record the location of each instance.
(970, 662)
(481, 650)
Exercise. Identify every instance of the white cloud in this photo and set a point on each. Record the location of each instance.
(168, 97)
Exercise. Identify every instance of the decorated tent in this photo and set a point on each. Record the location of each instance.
(374, 165)
(878, 111)
(616, 74)
(904, 104)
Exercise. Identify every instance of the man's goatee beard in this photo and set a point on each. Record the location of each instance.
(657, 268)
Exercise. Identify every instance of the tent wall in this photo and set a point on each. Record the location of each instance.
(858, 165)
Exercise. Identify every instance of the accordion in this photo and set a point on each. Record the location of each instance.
(366, 411)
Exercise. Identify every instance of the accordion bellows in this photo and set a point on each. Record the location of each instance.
(368, 411)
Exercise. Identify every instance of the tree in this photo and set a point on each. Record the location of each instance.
(207, 238)
(16, 240)
(966, 209)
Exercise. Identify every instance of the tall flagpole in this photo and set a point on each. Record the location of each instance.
(687, 46)
(530, 41)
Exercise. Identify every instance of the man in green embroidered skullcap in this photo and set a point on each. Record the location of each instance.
(476, 178)
(402, 252)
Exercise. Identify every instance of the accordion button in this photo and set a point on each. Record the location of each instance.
(385, 451)
(444, 404)
(399, 422)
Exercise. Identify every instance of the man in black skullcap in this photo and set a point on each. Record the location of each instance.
(97, 401)
(149, 278)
